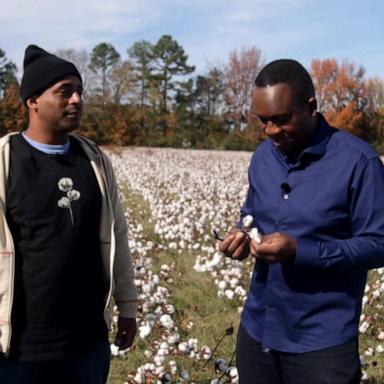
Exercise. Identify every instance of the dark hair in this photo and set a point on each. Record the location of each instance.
(287, 71)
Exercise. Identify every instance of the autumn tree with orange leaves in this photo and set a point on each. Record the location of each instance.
(342, 94)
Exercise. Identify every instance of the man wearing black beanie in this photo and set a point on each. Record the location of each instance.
(63, 239)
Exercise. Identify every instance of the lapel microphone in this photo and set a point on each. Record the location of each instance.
(285, 190)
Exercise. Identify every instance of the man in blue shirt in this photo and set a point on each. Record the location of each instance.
(316, 195)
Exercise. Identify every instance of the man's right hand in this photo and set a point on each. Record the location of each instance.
(235, 245)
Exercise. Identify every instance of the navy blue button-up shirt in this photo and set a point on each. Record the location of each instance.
(334, 207)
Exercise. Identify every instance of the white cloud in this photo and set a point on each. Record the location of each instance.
(207, 29)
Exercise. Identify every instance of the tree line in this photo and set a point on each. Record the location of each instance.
(154, 97)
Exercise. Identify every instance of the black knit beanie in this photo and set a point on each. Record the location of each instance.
(42, 70)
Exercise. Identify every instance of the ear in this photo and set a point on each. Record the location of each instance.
(312, 102)
(32, 103)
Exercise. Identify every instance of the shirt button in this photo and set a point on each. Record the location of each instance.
(285, 197)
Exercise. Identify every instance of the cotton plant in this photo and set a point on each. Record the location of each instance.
(65, 184)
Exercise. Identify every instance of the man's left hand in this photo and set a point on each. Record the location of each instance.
(126, 331)
(275, 248)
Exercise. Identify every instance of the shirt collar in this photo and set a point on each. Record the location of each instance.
(320, 139)
(318, 144)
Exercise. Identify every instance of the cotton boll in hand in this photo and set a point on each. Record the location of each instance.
(247, 221)
(255, 235)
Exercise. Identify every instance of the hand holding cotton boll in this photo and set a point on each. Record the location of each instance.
(236, 243)
(253, 233)
(275, 248)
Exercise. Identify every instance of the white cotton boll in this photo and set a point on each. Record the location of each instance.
(138, 379)
(149, 367)
(379, 348)
(255, 235)
(163, 352)
(364, 301)
(173, 338)
(380, 271)
(247, 221)
(165, 268)
(229, 294)
(147, 353)
(363, 327)
(205, 352)
(73, 195)
(222, 285)
(114, 350)
(376, 293)
(123, 352)
(146, 288)
(65, 184)
(173, 366)
(381, 335)
(158, 360)
(192, 343)
(164, 345)
(232, 374)
(156, 279)
(220, 293)
(192, 354)
(159, 371)
(369, 351)
(364, 376)
(64, 203)
(183, 347)
(217, 258)
(367, 288)
(144, 331)
(166, 321)
(240, 291)
(190, 324)
(170, 308)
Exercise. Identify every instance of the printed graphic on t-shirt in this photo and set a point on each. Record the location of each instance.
(65, 184)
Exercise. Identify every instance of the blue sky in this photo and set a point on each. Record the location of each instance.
(207, 29)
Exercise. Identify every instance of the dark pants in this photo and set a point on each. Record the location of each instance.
(88, 368)
(336, 365)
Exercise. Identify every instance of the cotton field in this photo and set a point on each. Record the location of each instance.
(188, 194)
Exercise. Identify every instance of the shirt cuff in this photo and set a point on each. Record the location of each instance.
(307, 254)
(128, 310)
